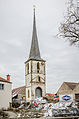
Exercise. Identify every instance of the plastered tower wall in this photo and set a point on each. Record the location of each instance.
(28, 80)
(32, 79)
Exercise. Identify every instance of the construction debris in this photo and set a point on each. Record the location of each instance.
(42, 108)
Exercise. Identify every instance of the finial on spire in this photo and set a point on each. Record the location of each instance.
(34, 8)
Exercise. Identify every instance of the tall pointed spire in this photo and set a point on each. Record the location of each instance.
(34, 51)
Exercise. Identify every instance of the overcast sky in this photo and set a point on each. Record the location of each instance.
(16, 23)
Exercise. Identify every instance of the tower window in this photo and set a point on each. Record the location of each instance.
(39, 78)
(38, 67)
(44, 69)
(28, 94)
(28, 68)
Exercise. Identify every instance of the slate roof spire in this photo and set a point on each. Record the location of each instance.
(34, 50)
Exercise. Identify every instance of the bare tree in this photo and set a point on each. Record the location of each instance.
(69, 29)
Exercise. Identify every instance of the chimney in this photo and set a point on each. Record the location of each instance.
(8, 77)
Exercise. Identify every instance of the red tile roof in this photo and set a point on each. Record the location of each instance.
(17, 90)
(71, 85)
(4, 80)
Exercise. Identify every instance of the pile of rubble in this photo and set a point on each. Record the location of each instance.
(65, 112)
(57, 109)
(3, 114)
(61, 109)
(33, 110)
(42, 108)
(30, 113)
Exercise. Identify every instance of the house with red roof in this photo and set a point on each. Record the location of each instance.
(5, 92)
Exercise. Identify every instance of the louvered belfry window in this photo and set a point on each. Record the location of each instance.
(28, 68)
(28, 94)
(39, 78)
(38, 67)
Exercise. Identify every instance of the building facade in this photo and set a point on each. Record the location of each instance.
(69, 89)
(5, 93)
(35, 76)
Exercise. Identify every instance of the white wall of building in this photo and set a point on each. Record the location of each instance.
(5, 95)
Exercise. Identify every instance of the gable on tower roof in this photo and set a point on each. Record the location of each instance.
(34, 51)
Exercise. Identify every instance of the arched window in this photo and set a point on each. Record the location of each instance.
(39, 78)
(38, 67)
(28, 94)
(38, 92)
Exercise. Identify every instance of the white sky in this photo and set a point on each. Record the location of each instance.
(16, 22)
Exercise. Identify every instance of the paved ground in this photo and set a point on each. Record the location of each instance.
(75, 117)
(14, 116)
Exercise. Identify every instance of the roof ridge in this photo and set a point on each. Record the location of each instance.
(70, 82)
(18, 87)
(16, 90)
(4, 80)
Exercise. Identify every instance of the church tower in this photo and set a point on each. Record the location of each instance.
(35, 70)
